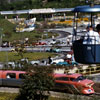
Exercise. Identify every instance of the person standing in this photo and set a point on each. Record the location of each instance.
(91, 36)
(50, 60)
(98, 28)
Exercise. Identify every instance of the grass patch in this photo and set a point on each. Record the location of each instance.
(12, 96)
(8, 96)
(11, 35)
(12, 56)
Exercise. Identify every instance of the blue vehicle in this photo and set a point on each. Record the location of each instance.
(54, 50)
(73, 63)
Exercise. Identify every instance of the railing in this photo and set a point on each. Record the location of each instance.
(87, 39)
(87, 71)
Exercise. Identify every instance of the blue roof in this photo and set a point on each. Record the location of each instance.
(87, 8)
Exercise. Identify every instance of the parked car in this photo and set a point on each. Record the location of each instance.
(74, 83)
(53, 41)
(35, 62)
(39, 43)
(18, 49)
(55, 61)
(14, 64)
(5, 44)
(64, 63)
(11, 64)
(54, 50)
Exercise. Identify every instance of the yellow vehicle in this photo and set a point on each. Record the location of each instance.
(18, 49)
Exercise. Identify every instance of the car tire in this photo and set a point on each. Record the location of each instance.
(35, 64)
(74, 65)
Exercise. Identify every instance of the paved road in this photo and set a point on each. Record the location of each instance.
(6, 48)
(9, 90)
(53, 94)
(62, 37)
(68, 30)
(45, 48)
(63, 33)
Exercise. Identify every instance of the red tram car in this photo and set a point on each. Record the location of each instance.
(11, 78)
(74, 83)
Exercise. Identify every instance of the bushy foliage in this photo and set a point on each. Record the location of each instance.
(35, 83)
(31, 4)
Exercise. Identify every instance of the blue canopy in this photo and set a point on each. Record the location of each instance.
(87, 8)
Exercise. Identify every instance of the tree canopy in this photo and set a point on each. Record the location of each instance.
(33, 4)
(36, 82)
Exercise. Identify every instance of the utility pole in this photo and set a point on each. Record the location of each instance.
(1, 36)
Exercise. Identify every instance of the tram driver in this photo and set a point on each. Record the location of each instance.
(91, 37)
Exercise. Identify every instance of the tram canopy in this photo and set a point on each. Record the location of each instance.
(87, 8)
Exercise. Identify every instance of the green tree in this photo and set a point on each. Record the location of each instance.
(33, 4)
(36, 83)
(3, 4)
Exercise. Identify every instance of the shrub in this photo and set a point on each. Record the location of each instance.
(36, 83)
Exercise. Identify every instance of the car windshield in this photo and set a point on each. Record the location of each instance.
(80, 78)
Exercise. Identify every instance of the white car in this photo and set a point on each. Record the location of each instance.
(52, 42)
(35, 62)
(12, 64)
(55, 61)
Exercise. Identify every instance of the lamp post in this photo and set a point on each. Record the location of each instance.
(1, 36)
(91, 3)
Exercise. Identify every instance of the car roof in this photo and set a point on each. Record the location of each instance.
(73, 75)
(10, 71)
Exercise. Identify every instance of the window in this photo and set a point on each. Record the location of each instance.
(22, 76)
(80, 78)
(62, 78)
(11, 75)
(72, 79)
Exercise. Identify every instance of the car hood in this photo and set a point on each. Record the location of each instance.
(86, 82)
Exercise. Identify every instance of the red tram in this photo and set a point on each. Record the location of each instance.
(74, 83)
(11, 78)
